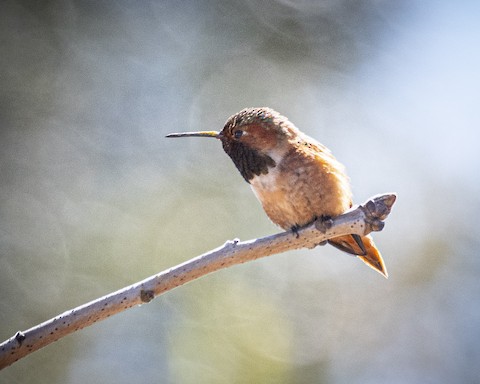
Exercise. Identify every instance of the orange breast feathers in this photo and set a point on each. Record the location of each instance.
(307, 182)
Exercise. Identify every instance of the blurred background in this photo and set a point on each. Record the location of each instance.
(94, 198)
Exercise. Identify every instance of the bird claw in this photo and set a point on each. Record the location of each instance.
(323, 224)
(295, 229)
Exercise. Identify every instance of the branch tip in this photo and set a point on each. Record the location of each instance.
(377, 209)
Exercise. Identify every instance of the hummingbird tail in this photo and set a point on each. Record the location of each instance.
(370, 255)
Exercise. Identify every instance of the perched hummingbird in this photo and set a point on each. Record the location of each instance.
(296, 178)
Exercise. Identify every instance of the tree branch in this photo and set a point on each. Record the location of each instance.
(359, 220)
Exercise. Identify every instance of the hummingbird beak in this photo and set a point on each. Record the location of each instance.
(214, 134)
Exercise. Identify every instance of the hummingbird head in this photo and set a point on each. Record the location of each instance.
(256, 139)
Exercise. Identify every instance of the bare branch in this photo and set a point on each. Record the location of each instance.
(360, 220)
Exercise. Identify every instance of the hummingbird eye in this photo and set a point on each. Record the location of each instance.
(238, 134)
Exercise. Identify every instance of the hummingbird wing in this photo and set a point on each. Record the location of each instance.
(369, 253)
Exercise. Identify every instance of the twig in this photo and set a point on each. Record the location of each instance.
(360, 220)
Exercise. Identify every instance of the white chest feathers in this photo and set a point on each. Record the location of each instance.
(264, 184)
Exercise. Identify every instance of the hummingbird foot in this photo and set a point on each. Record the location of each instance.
(295, 229)
(323, 223)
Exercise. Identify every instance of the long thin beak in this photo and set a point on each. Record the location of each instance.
(214, 134)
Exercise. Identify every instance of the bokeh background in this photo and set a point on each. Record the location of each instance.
(94, 198)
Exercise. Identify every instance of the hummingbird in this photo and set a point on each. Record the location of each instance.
(296, 179)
